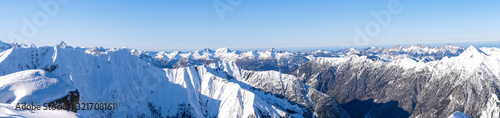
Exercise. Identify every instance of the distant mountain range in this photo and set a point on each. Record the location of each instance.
(400, 81)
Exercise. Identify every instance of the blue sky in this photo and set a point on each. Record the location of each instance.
(252, 24)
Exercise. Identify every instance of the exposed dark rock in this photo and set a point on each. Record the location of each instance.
(68, 101)
(371, 109)
(422, 93)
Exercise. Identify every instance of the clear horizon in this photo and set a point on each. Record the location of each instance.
(328, 48)
(244, 24)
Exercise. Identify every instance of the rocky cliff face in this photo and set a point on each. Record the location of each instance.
(467, 83)
(287, 87)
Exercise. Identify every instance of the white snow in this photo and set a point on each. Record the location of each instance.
(458, 114)
(492, 110)
(35, 86)
(119, 76)
(32, 86)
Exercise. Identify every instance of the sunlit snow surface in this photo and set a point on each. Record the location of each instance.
(35, 86)
(130, 79)
(117, 76)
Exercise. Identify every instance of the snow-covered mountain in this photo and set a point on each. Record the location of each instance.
(141, 90)
(466, 83)
(413, 81)
(417, 52)
(285, 61)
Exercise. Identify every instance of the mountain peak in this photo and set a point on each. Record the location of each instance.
(207, 50)
(223, 50)
(471, 48)
(470, 52)
(19, 45)
(448, 44)
(176, 52)
(419, 45)
(32, 46)
(271, 50)
(62, 44)
(318, 51)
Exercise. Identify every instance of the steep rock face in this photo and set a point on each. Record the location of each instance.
(287, 87)
(431, 89)
(292, 89)
(326, 106)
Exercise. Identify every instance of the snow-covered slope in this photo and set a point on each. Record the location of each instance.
(35, 86)
(142, 90)
(208, 94)
(32, 87)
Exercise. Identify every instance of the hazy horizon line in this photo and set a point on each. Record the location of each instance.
(463, 44)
